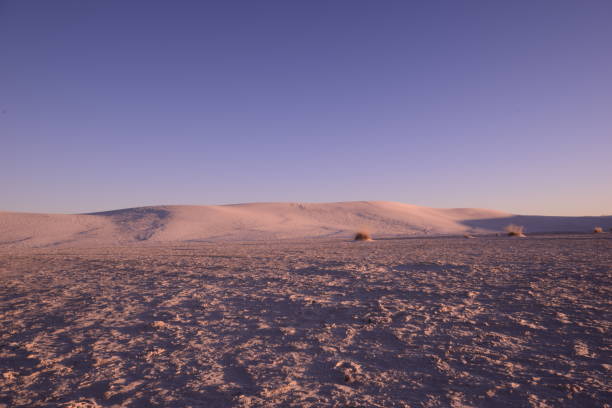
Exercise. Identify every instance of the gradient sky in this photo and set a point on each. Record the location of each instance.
(494, 104)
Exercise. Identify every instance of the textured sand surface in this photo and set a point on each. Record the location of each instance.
(266, 221)
(444, 322)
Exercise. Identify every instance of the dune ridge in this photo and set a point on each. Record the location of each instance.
(266, 221)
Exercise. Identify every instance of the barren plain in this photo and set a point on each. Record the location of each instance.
(417, 322)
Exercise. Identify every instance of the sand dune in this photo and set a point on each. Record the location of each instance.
(266, 221)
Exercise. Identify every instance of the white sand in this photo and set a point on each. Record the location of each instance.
(265, 221)
(432, 322)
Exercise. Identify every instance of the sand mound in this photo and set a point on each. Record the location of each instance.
(264, 221)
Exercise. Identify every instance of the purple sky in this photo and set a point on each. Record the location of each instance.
(112, 104)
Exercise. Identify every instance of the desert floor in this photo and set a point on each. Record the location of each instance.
(490, 321)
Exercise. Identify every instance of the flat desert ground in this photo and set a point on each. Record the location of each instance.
(414, 322)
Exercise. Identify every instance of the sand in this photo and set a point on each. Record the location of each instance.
(427, 322)
(266, 221)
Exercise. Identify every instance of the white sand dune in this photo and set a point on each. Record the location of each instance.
(266, 221)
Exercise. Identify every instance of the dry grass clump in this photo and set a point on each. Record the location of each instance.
(597, 230)
(363, 236)
(515, 230)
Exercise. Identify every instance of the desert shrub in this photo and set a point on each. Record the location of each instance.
(363, 236)
(515, 230)
(597, 230)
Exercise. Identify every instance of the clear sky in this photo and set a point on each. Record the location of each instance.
(494, 104)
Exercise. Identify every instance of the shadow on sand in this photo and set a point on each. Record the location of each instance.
(142, 223)
(538, 223)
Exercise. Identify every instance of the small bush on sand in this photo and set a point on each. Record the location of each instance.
(515, 230)
(597, 230)
(363, 236)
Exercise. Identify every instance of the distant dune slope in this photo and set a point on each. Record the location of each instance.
(266, 221)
